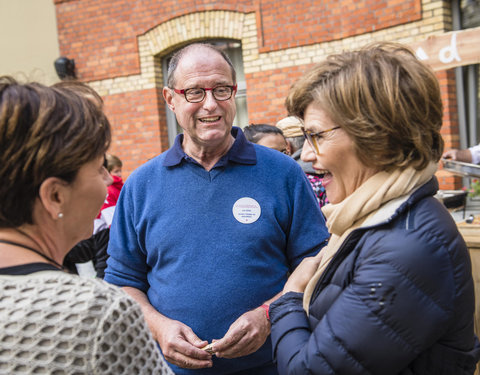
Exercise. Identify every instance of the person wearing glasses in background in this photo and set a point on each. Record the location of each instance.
(266, 135)
(203, 237)
(292, 131)
(392, 293)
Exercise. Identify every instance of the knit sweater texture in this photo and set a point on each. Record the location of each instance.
(52, 322)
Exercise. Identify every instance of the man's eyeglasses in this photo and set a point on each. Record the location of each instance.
(313, 138)
(196, 95)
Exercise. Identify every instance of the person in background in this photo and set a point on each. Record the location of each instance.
(392, 292)
(470, 155)
(266, 135)
(292, 131)
(114, 167)
(53, 141)
(203, 236)
(89, 257)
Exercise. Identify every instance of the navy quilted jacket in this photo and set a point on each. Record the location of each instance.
(397, 298)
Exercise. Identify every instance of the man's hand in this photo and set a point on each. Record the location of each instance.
(180, 346)
(299, 279)
(245, 336)
(458, 155)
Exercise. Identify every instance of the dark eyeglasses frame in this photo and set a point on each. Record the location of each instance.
(312, 137)
(205, 89)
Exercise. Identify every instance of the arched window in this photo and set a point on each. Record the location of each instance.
(234, 50)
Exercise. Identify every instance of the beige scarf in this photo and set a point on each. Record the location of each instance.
(362, 208)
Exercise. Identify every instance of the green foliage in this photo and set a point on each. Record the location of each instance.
(474, 190)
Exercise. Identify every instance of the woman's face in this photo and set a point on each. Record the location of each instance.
(87, 194)
(275, 141)
(336, 158)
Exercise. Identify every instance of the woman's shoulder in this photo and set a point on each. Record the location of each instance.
(421, 243)
(426, 227)
(100, 321)
(62, 289)
(425, 219)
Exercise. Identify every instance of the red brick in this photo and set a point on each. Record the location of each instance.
(102, 38)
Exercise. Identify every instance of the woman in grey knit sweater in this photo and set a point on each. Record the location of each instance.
(52, 142)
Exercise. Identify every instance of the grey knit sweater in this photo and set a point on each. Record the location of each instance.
(56, 323)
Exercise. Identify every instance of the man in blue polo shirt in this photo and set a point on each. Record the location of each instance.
(205, 234)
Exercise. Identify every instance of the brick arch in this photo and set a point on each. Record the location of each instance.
(196, 26)
(172, 34)
(177, 32)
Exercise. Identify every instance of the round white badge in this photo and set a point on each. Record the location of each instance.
(246, 210)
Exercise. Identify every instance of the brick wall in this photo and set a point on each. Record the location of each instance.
(102, 34)
(118, 45)
(138, 134)
(266, 98)
(288, 24)
(449, 130)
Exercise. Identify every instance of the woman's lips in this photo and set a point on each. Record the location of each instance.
(325, 176)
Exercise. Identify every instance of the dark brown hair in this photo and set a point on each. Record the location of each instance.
(255, 132)
(45, 132)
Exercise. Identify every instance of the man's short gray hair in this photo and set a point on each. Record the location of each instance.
(173, 64)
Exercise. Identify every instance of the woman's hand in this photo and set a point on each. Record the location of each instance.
(299, 279)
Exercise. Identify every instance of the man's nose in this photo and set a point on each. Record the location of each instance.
(209, 102)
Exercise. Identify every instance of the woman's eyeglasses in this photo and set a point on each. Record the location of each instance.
(314, 138)
(196, 95)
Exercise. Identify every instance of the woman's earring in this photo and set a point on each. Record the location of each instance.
(60, 215)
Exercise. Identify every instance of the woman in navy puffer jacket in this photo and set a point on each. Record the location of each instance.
(392, 292)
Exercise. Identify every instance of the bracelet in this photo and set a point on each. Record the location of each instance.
(267, 309)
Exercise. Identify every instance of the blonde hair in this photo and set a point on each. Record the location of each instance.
(384, 98)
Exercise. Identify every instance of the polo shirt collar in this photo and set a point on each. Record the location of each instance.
(242, 151)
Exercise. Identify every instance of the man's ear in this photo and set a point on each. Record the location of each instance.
(52, 195)
(289, 147)
(168, 96)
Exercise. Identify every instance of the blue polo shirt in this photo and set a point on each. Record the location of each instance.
(207, 246)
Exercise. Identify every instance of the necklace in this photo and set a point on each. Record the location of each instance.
(34, 250)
